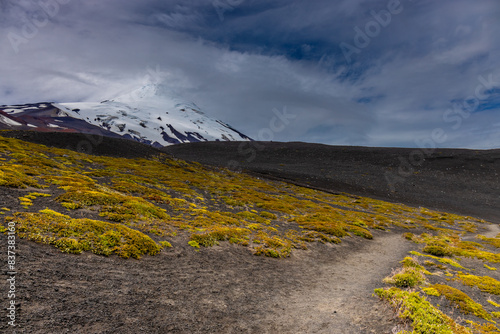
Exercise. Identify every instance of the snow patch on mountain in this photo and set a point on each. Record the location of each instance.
(9, 121)
(152, 114)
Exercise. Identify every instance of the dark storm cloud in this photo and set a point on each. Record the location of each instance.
(351, 72)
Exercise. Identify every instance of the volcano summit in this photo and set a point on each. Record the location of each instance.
(151, 114)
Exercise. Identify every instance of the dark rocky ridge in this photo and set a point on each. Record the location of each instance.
(97, 144)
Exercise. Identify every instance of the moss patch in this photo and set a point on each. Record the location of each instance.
(462, 301)
(78, 235)
(484, 283)
(424, 317)
(163, 196)
(492, 241)
(406, 278)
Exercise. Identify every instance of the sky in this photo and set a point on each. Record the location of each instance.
(408, 73)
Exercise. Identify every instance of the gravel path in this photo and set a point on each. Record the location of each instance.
(338, 297)
(223, 289)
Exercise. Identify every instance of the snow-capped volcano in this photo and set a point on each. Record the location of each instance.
(151, 114)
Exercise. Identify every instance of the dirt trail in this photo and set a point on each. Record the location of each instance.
(217, 290)
(488, 230)
(223, 289)
(493, 231)
(338, 299)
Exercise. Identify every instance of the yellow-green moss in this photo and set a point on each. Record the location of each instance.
(113, 206)
(411, 262)
(331, 228)
(25, 202)
(37, 194)
(162, 194)
(268, 215)
(50, 212)
(484, 328)
(493, 303)
(252, 216)
(272, 246)
(359, 231)
(452, 263)
(437, 249)
(484, 283)
(133, 209)
(432, 264)
(408, 236)
(214, 235)
(84, 198)
(462, 301)
(15, 176)
(492, 241)
(165, 244)
(431, 292)
(193, 244)
(441, 260)
(424, 317)
(407, 277)
(449, 243)
(71, 206)
(78, 235)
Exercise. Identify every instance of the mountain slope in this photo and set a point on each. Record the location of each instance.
(150, 114)
(195, 229)
(460, 181)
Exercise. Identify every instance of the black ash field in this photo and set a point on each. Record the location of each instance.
(301, 238)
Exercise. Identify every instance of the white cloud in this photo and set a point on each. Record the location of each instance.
(96, 50)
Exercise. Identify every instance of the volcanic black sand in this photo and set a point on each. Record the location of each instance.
(458, 181)
(225, 289)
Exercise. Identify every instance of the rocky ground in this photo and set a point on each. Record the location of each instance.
(225, 289)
